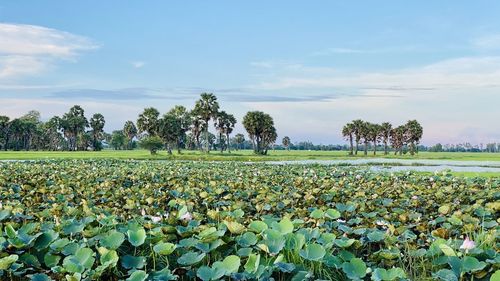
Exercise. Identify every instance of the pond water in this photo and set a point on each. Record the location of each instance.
(398, 165)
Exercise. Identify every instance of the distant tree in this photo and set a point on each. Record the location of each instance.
(260, 128)
(73, 123)
(118, 140)
(169, 130)
(4, 132)
(286, 142)
(197, 125)
(208, 139)
(52, 138)
(183, 117)
(97, 124)
(224, 125)
(398, 139)
(130, 131)
(436, 148)
(385, 134)
(207, 108)
(373, 131)
(239, 139)
(84, 141)
(148, 121)
(358, 130)
(365, 131)
(151, 143)
(348, 132)
(414, 132)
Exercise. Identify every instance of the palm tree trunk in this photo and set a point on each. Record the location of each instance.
(375, 147)
(228, 144)
(350, 142)
(357, 148)
(366, 147)
(220, 143)
(385, 148)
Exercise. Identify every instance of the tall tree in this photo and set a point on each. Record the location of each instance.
(207, 108)
(196, 128)
(148, 121)
(73, 123)
(348, 132)
(118, 140)
(286, 142)
(398, 139)
(373, 131)
(4, 132)
(358, 126)
(97, 123)
(260, 128)
(224, 124)
(414, 132)
(169, 130)
(385, 134)
(239, 139)
(130, 131)
(183, 117)
(365, 135)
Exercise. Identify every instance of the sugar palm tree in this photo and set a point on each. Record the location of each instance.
(357, 126)
(385, 133)
(207, 108)
(348, 132)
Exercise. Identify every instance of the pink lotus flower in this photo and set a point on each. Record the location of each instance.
(187, 216)
(468, 244)
(155, 219)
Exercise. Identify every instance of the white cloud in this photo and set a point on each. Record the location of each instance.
(29, 49)
(138, 64)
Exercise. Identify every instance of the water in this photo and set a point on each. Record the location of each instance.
(398, 165)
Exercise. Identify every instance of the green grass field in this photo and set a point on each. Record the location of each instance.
(241, 155)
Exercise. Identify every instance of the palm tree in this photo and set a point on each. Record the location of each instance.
(148, 121)
(286, 142)
(239, 139)
(348, 132)
(196, 128)
(373, 134)
(398, 139)
(414, 132)
(183, 117)
(97, 124)
(357, 125)
(130, 131)
(207, 108)
(385, 133)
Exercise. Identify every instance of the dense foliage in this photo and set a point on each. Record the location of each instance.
(137, 220)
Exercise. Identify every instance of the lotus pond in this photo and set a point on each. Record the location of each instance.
(142, 220)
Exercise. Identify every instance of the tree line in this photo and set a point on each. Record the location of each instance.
(179, 128)
(362, 132)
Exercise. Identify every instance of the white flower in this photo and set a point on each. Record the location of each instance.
(358, 177)
(414, 197)
(339, 220)
(431, 179)
(468, 244)
(187, 216)
(155, 219)
(143, 212)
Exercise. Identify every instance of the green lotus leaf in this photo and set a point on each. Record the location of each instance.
(257, 226)
(191, 258)
(136, 235)
(313, 252)
(471, 264)
(332, 214)
(355, 269)
(380, 274)
(130, 262)
(51, 260)
(164, 249)
(247, 239)
(344, 242)
(231, 264)
(285, 226)
(376, 236)
(234, 227)
(112, 240)
(445, 275)
(7, 261)
(252, 263)
(138, 275)
(40, 277)
(317, 214)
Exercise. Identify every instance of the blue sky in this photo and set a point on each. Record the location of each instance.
(312, 65)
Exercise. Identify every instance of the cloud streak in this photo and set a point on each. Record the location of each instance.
(29, 49)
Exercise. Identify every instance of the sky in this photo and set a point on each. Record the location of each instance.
(312, 65)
